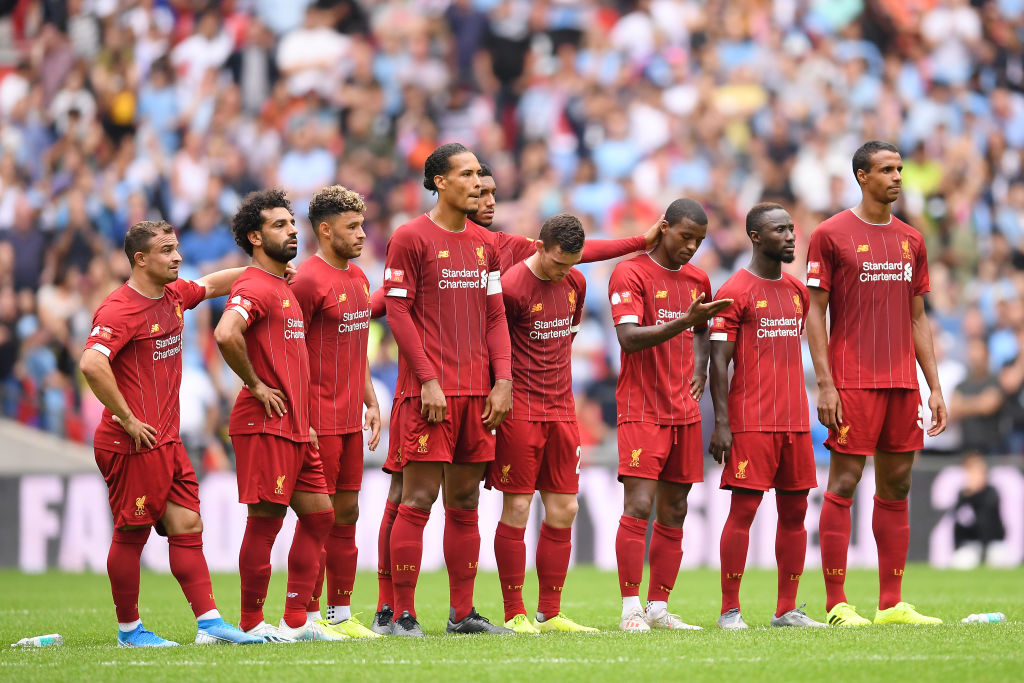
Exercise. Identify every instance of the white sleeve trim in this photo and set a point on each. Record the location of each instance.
(394, 291)
(719, 336)
(628, 319)
(494, 282)
(101, 348)
(241, 311)
(813, 282)
(573, 329)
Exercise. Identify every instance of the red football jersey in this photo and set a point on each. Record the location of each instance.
(765, 320)
(276, 344)
(654, 384)
(335, 304)
(447, 276)
(543, 317)
(143, 338)
(872, 272)
(512, 249)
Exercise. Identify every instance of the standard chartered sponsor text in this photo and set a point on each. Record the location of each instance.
(359, 320)
(770, 328)
(294, 329)
(886, 271)
(551, 327)
(164, 343)
(462, 279)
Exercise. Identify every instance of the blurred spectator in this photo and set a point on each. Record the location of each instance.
(977, 523)
(977, 403)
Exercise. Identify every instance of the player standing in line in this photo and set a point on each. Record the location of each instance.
(538, 444)
(334, 296)
(762, 433)
(262, 337)
(132, 362)
(511, 250)
(657, 302)
(870, 270)
(443, 296)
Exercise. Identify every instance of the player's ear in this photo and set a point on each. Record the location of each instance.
(323, 229)
(539, 246)
(255, 238)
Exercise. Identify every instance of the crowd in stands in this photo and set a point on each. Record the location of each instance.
(115, 111)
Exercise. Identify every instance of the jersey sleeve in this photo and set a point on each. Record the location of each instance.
(805, 303)
(579, 284)
(245, 301)
(820, 261)
(520, 247)
(402, 266)
(191, 293)
(109, 332)
(304, 287)
(726, 324)
(920, 281)
(602, 250)
(625, 294)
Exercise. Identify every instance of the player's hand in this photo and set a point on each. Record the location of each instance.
(274, 401)
(721, 443)
(371, 422)
(289, 272)
(653, 234)
(830, 410)
(697, 384)
(433, 404)
(699, 312)
(143, 434)
(499, 402)
(937, 406)
(312, 438)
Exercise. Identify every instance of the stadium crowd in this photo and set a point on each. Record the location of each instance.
(115, 111)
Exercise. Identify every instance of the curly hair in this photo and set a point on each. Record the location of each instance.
(438, 163)
(334, 200)
(250, 214)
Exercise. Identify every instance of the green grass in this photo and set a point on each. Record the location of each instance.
(79, 607)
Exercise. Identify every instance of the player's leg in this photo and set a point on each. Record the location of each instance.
(315, 519)
(790, 552)
(554, 548)
(510, 555)
(666, 554)
(385, 594)
(261, 528)
(420, 487)
(630, 541)
(733, 553)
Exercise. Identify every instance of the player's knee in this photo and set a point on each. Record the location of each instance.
(896, 489)
(638, 506)
(467, 499)
(562, 514)
(672, 513)
(395, 490)
(422, 499)
(844, 483)
(348, 514)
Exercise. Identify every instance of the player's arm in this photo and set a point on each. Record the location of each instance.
(230, 337)
(830, 410)
(602, 250)
(721, 438)
(499, 348)
(634, 338)
(378, 309)
(220, 283)
(701, 352)
(925, 352)
(432, 399)
(95, 366)
(371, 419)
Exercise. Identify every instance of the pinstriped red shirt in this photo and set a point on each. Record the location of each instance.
(872, 273)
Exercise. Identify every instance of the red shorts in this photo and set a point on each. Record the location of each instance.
(672, 453)
(536, 456)
(890, 420)
(461, 438)
(270, 468)
(140, 485)
(763, 460)
(393, 463)
(342, 459)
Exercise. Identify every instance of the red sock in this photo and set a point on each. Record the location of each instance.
(341, 563)
(123, 566)
(385, 594)
(304, 563)
(318, 584)
(189, 567)
(461, 556)
(664, 556)
(834, 536)
(629, 554)
(510, 554)
(406, 554)
(891, 525)
(553, 549)
(790, 548)
(254, 567)
(734, 544)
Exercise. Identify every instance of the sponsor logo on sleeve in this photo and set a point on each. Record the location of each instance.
(102, 332)
(394, 274)
(813, 267)
(626, 297)
(240, 301)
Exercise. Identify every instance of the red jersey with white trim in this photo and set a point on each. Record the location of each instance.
(447, 276)
(765, 321)
(872, 272)
(275, 341)
(142, 338)
(654, 384)
(335, 305)
(543, 317)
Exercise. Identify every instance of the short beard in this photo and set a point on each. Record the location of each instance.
(282, 254)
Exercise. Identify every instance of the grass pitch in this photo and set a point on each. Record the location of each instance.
(79, 607)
